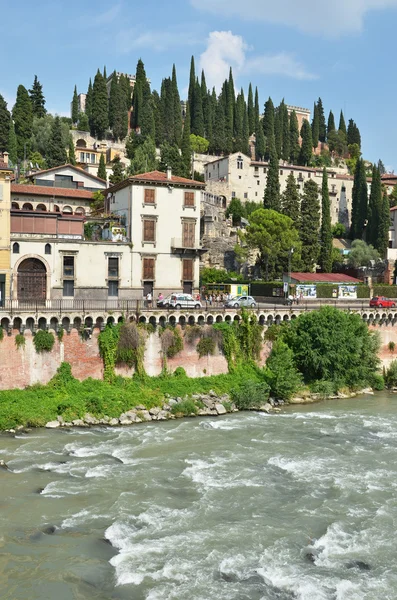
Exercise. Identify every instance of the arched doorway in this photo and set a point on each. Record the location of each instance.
(32, 280)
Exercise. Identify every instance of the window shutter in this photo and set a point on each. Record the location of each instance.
(149, 196)
(189, 198)
(188, 231)
(148, 268)
(187, 270)
(149, 230)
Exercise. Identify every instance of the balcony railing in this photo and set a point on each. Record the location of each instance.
(185, 244)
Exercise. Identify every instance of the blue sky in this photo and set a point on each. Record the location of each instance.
(341, 50)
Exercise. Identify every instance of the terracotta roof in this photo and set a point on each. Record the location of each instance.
(4, 167)
(82, 171)
(323, 278)
(53, 192)
(157, 177)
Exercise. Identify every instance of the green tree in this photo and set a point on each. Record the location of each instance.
(361, 254)
(102, 168)
(12, 144)
(359, 202)
(374, 208)
(271, 199)
(37, 98)
(307, 144)
(192, 91)
(331, 123)
(114, 99)
(144, 159)
(322, 129)
(117, 171)
(337, 142)
(22, 115)
(75, 107)
(82, 122)
(36, 159)
(353, 134)
(177, 109)
(186, 146)
(198, 117)
(88, 105)
(99, 119)
(272, 235)
(315, 126)
(325, 259)
(120, 112)
(71, 153)
(285, 151)
(268, 126)
(281, 373)
(251, 111)
(294, 138)
(309, 225)
(342, 123)
(290, 202)
(338, 230)
(219, 129)
(5, 118)
(333, 345)
(382, 242)
(381, 167)
(199, 144)
(56, 153)
(278, 131)
(236, 211)
(170, 157)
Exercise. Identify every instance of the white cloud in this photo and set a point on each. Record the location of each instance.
(225, 50)
(331, 18)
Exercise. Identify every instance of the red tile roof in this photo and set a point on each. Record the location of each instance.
(4, 167)
(159, 176)
(53, 192)
(323, 278)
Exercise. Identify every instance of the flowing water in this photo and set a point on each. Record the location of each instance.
(247, 507)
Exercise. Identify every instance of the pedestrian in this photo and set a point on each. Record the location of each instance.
(149, 300)
(210, 299)
(160, 298)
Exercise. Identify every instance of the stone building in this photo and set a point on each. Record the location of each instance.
(5, 207)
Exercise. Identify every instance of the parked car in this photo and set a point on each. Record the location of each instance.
(164, 303)
(382, 302)
(239, 301)
(183, 301)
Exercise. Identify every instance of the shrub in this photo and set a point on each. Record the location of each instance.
(43, 341)
(377, 382)
(192, 332)
(171, 342)
(20, 340)
(206, 347)
(282, 375)
(60, 334)
(324, 389)
(180, 372)
(250, 394)
(131, 346)
(391, 375)
(63, 376)
(186, 407)
(392, 347)
(1, 333)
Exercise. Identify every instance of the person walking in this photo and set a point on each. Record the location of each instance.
(149, 300)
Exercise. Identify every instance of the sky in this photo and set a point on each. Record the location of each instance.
(340, 50)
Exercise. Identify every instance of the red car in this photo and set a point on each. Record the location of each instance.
(382, 302)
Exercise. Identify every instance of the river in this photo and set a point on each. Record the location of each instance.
(302, 505)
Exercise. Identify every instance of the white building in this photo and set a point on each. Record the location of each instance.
(68, 177)
(161, 215)
(238, 176)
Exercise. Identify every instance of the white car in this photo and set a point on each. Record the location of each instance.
(239, 301)
(184, 301)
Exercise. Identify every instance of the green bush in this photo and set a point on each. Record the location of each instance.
(179, 372)
(63, 376)
(20, 340)
(60, 334)
(377, 382)
(282, 376)
(390, 376)
(186, 407)
(43, 341)
(250, 394)
(206, 346)
(324, 389)
(171, 341)
(363, 291)
(326, 291)
(390, 291)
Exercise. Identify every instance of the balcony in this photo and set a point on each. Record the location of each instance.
(187, 245)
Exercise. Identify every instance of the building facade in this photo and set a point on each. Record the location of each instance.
(69, 177)
(5, 208)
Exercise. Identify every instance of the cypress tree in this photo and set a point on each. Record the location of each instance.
(82, 123)
(192, 90)
(170, 157)
(186, 149)
(229, 97)
(322, 129)
(290, 200)
(37, 99)
(309, 225)
(22, 114)
(167, 111)
(114, 100)
(177, 109)
(381, 167)
(197, 118)
(331, 123)
(138, 94)
(285, 151)
(71, 153)
(125, 85)
(117, 171)
(219, 129)
(315, 127)
(260, 144)
(56, 153)
(307, 144)
(251, 111)
(12, 144)
(102, 168)
(5, 118)
(256, 107)
(88, 105)
(353, 134)
(382, 241)
(294, 138)
(158, 118)
(278, 131)
(271, 198)
(148, 127)
(205, 100)
(245, 147)
(325, 259)
(239, 123)
(104, 73)
(75, 107)
(374, 208)
(99, 118)
(342, 124)
(359, 202)
(211, 108)
(268, 126)
(119, 109)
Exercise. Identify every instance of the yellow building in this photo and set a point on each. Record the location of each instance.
(5, 246)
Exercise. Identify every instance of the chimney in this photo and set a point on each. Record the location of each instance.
(5, 158)
(169, 173)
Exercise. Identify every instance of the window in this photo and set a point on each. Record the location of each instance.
(281, 172)
(187, 269)
(149, 230)
(189, 199)
(148, 269)
(82, 157)
(264, 169)
(150, 196)
(15, 248)
(113, 267)
(343, 189)
(258, 182)
(239, 176)
(245, 195)
(256, 193)
(188, 234)
(239, 162)
(68, 266)
(47, 249)
(68, 287)
(233, 194)
(113, 288)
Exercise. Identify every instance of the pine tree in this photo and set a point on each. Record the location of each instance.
(309, 225)
(271, 198)
(22, 114)
(177, 109)
(268, 126)
(285, 151)
(359, 202)
(315, 127)
(37, 99)
(353, 134)
(117, 171)
(12, 144)
(102, 168)
(71, 153)
(251, 111)
(192, 90)
(331, 123)
(307, 144)
(322, 129)
(99, 119)
(5, 118)
(374, 208)
(290, 200)
(186, 149)
(56, 153)
(342, 124)
(382, 241)
(114, 104)
(294, 138)
(75, 107)
(325, 259)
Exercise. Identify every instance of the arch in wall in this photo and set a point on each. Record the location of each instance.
(17, 324)
(15, 248)
(27, 206)
(42, 324)
(81, 143)
(56, 208)
(54, 323)
(67, 210)
(41, 208)
(79, 211)
(31, 279)
(15, 205)
(30, 323)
